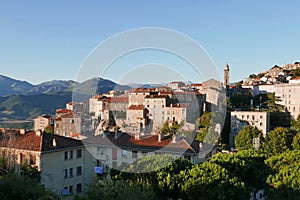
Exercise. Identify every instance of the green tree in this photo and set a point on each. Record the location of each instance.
(162, 172)
(244, 139)
(117, 190)
(13, 186)
(165, 129)
(295, 125)
(284, 182)
(296, 142)
(277, 141)
(49, 129)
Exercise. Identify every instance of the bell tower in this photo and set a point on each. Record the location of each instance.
(226, 75)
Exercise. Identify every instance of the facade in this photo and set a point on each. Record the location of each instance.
(156, 104)
(67, 123)
(289, 95)
(115, 149)
(239, 119)
(41, 122)
(176, 85)
(60, 160)
(215, 95)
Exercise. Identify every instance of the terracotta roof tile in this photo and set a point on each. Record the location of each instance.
(136, 107)
(33, 142)
(126, 141)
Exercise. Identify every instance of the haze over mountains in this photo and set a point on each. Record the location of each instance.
(9, 86)
(23, 100)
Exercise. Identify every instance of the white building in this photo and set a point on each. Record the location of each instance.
(41, 122)
(240, 119)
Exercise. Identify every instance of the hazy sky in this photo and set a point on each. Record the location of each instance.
(46, 40)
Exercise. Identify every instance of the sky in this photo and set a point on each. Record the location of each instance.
(50, 40)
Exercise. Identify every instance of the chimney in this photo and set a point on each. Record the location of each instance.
(38, 133)
(22, 131)
(137, 136)
(159, 137)
(200, 145)
(173, 138)
(54, 142)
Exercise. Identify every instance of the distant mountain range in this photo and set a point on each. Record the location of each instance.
(9, 86)
(23, 100)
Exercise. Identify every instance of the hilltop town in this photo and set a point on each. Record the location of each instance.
(195, 121)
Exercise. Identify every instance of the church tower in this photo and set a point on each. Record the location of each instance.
(226, 75)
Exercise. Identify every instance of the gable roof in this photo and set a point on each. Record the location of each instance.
(147, 143)
(34, 142)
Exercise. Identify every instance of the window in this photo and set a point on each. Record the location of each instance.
(99, 151)
(114, 164)
(66, 155)
(65, 173)
(71, 189)
(124, 154)
(79, 187)
(71, 172)
(71, 155)
(134, 154)
(79, 171)
(79, 153)
(72, 121)
(65, 191)
(114, 154)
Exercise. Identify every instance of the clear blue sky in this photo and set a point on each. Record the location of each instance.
(46, 40)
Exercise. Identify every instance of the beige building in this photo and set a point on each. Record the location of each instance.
(156, 104)
(176, 85)
(67, 123)
(115, 149)
(289, 95)
(41, 122)
(137, 95)
(60, 160)
(215, 95)
(239, 119)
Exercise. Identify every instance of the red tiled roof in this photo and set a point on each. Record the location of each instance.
(118, 99)
(58, 119)
(151, 143)
(70, 115)
(33, 142)
(136, 107)
(63, 110)
(296, 78)
(142, 90)
(196, 84)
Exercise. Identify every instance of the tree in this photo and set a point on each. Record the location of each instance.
(49, 129)
(165, 129)
(225, 176)
(161, 172)
(296, 142)
(13, 186)
(284, 182)
(277, 141)
(244, 139)
(295, 124)
(117, 190)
